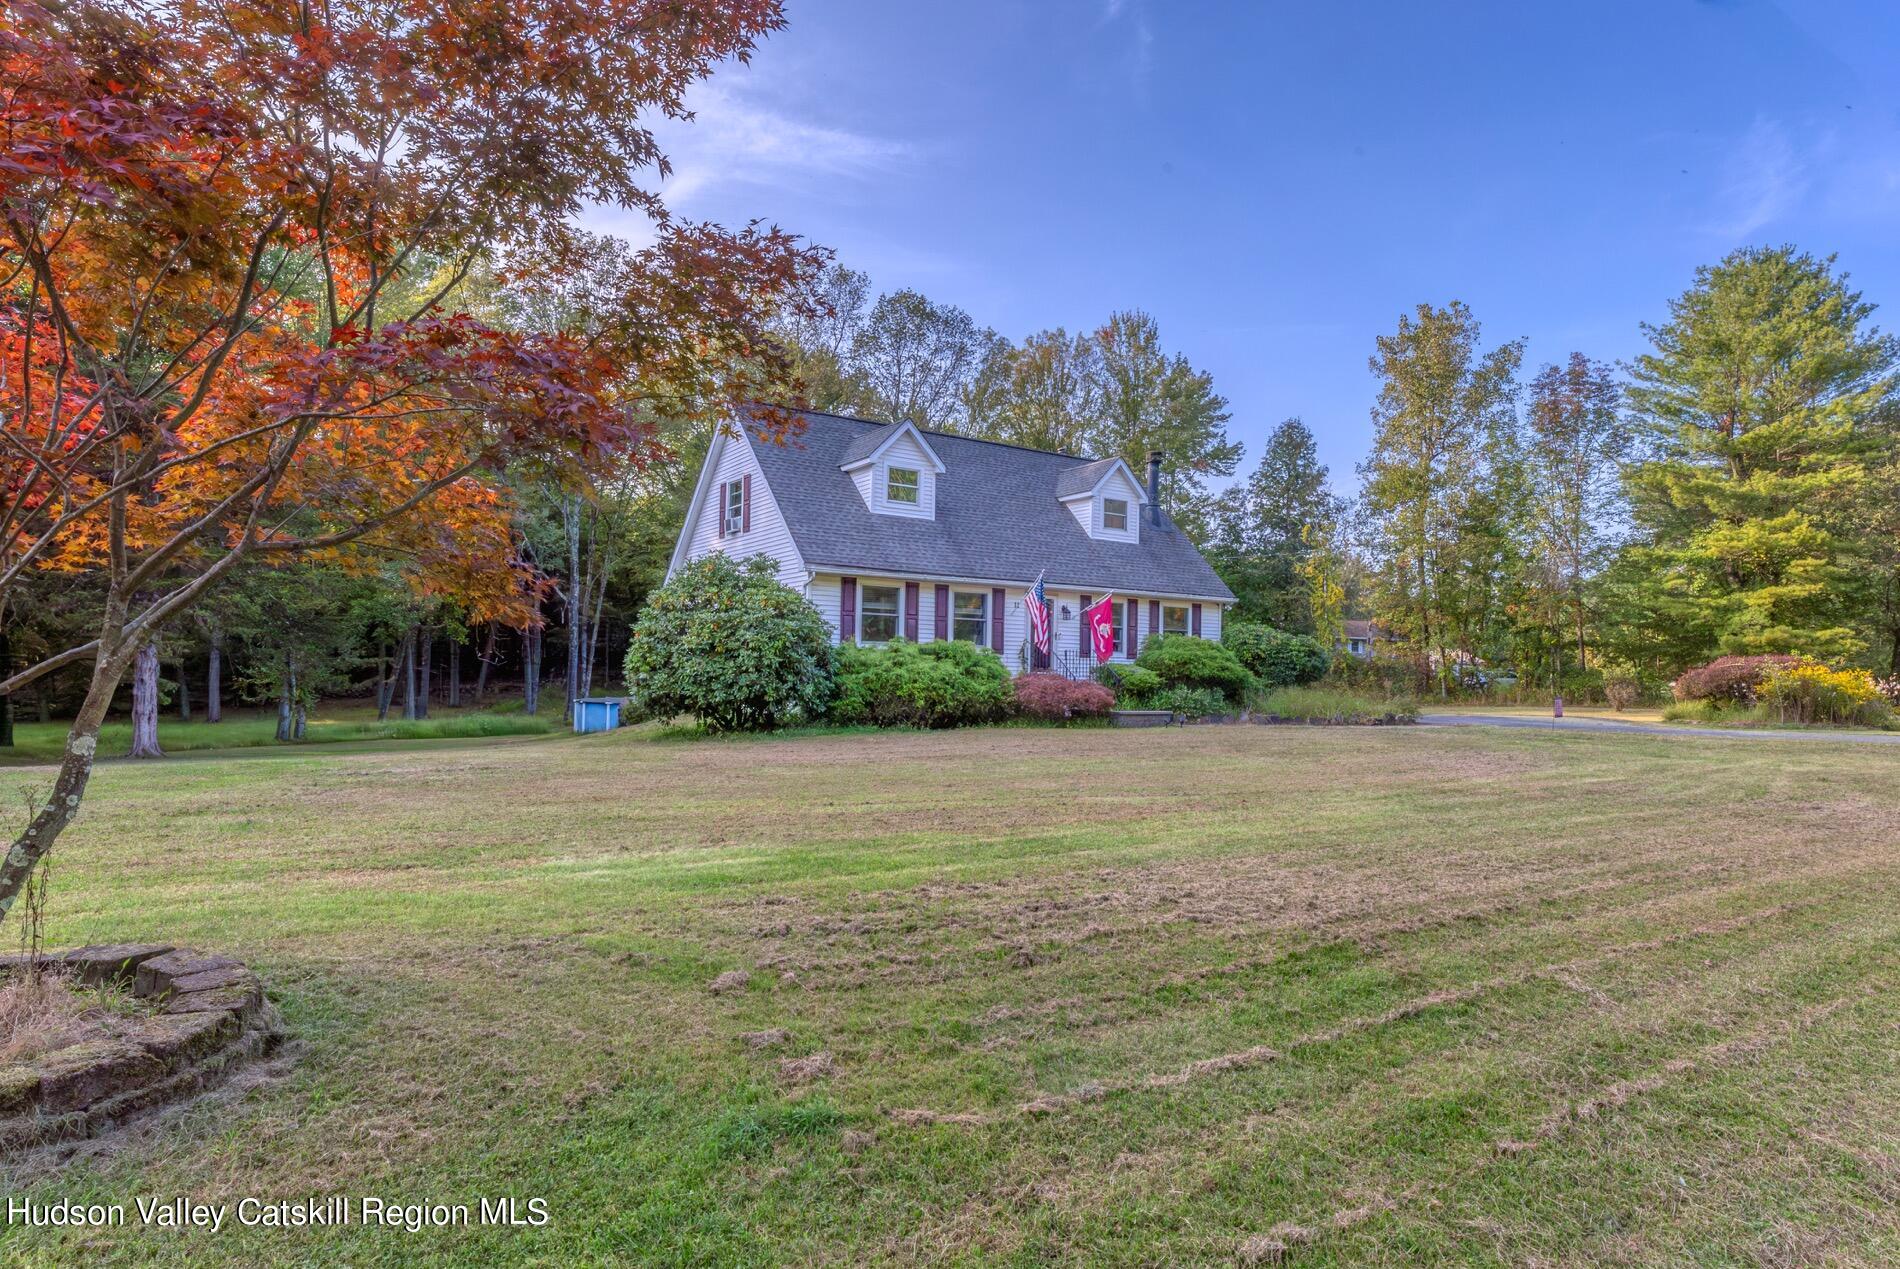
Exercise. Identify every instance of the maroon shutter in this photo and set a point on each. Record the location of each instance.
(1154, 618)
(848, 609)
(719, 513)
(745, 505)
(996, 621)
(1195, 616)
(1128, 623)
(910, 611)
(1082, 642)
(943, 611)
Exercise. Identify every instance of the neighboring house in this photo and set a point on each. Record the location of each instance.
(894, 531)
(1362, 638)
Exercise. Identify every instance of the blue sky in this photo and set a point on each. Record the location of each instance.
(1277, 182)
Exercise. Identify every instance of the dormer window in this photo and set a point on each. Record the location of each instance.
(1115, 514)
(901, 485)
(895, 471)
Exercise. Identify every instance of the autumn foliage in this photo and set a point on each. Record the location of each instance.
(234, 237)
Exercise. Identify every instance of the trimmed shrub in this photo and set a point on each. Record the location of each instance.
(1056, 698)
(1731, 679)
(1185, 661)
(1195, 702)
(944, 683)
(1131, 683)
(725, 642)
(1276, 657)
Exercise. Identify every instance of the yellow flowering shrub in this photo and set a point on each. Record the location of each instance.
(1809, 692)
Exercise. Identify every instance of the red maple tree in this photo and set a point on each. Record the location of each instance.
(230, 234)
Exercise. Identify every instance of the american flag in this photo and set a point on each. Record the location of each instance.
(1037, 605)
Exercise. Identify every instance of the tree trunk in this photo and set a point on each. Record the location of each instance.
(286, 687)
(384, 681)
(409, 675)
(426, 648)
(571, 521)
(488, 659)
(75, 771)
(531, 669)
(6, 700)
(455, 672)
(297, 719)
(214, 690)
(145, 702)
(45, 699)
(184, 691)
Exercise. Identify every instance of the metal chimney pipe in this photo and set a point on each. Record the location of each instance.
(1154, 486)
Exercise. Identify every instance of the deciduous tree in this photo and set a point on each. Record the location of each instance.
(217, 344)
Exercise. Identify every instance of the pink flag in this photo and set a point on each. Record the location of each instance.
(1101, 618)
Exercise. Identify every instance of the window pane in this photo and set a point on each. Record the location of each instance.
(877, 614)
(735, 506)
(1114, 513)
(1173, 620)
(969, 613)
(901, 485)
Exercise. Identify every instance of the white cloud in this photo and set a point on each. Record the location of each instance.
(1764, 179)
(737, 138)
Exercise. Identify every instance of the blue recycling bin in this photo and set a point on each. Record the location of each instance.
(596, 713)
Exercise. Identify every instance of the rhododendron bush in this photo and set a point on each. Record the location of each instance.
(233, 238)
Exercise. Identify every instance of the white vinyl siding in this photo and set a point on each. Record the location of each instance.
(732, 460)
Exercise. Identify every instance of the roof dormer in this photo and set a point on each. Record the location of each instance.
(1105, 499)
(895, 471)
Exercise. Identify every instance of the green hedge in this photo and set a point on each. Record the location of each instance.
(944, 683)
(1276, 657)
(1185, 661)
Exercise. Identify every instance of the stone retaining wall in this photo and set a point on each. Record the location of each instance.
(209, 1017)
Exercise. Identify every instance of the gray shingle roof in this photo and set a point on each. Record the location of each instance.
(1083, 477)
(998, 518)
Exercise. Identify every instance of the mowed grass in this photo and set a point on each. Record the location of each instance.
(1127, 997)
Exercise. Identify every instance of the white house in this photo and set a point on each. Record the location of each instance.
(893, 531)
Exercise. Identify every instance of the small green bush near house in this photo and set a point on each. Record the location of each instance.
(944, 683)
(1131, 684)
(1276, 657)
(1184, 661)
(725, 642)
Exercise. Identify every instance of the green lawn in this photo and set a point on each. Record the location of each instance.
(1385, 995)
(333, 722)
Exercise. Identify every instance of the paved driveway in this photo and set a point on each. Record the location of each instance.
(1655, 729)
